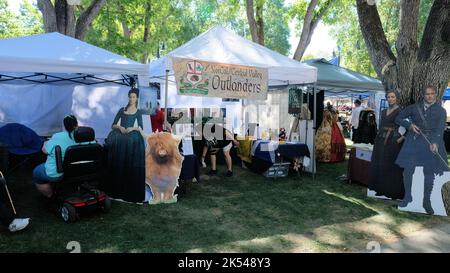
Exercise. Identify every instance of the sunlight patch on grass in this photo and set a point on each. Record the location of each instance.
(353, 200)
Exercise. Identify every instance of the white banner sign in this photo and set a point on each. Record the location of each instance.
(201, 78)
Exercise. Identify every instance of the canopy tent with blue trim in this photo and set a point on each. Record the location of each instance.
(339, 80)
(446, 94)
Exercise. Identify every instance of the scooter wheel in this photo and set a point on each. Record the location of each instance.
(68, 213)
(106, 205)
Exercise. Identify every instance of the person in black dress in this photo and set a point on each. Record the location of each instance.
(126, 153)
(385, 176)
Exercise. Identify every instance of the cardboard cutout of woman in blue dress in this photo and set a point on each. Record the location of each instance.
(423, 156)
(126, 153)
(131, 165)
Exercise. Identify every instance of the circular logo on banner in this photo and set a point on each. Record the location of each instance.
(194, 72)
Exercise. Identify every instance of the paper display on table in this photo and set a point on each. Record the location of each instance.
(363, 146)
(208, 79)
(188, 147)
(306, 161)
(146, 122)
(363, 154)
(148, 98)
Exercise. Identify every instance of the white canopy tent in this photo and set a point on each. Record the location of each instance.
(44, 77)
(224, 46)
(221, 45)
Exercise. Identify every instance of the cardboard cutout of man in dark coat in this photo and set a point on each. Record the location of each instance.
(425, 121)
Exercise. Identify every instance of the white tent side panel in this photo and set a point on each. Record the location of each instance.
(42, 107)
(38, 106)
(273, 112)
(97, 107)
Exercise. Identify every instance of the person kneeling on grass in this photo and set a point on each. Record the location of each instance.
(225, 143)
(45, 174)
(8, 220)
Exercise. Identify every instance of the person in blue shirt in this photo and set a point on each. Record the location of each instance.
(45, 174)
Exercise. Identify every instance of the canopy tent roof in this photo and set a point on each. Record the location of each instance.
(56, 74)
(346, 95)
(224, 46)
(61, 55)
(336, 79)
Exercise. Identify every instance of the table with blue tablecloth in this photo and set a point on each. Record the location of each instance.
(190, 168)
(260, 155)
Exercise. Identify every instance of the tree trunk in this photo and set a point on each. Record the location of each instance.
(125, 29)
(256, 25)
(260, 21)
(86, 18)
(406, 46)
(61, 17)
(65, 18)
(303, 43)
(310, 22)
(414, 67)
(146, 38)
(48, 14)
(433, 58)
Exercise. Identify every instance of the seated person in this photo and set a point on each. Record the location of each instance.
(7, 218)
(45, 174)
(204, 152)
(225, 143)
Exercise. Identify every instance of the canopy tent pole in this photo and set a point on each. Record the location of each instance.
(351, 109)
(257, 119)
(307, 120)
(243, 118)
(314, 134)
(166, 87)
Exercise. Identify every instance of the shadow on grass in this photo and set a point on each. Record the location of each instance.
(246, 213)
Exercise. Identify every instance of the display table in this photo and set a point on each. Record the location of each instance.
(260, 155)
(359, 165)
(190, 168)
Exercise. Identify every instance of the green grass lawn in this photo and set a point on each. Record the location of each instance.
(246, 213)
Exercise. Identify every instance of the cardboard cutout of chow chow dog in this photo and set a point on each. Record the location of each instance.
(162, 166)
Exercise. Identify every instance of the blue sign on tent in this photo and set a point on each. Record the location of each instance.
(334, 61)
(446, 94)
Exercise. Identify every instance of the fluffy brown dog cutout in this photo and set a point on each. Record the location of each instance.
(162, 166)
